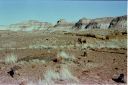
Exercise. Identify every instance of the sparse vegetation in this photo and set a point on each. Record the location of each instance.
(10, 59)
(65, 55)
(45, 58)
(62, 74)
(67, 75)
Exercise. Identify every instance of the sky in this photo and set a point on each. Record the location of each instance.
(14, 11)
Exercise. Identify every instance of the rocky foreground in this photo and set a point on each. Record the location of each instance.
(57, 56)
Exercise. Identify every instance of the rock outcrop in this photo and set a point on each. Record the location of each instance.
(99, 23)
(93, 24)
(119, 22)
(82, 23)
(63, 23)
(102, 23)
(30, 25)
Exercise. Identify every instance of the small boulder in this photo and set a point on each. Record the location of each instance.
(119, 79)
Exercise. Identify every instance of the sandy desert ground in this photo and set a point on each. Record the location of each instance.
(95, 56)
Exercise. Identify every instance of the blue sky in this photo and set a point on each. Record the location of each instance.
(13, 11)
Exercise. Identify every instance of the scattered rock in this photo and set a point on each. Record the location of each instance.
(14, 71)
(46, 39)
(55, 60)
(11, 73)
(119, 79)
(90, 61)
(84, 54)
(84, 41)
(86, 72)
(80, 40)
(79, 58)
(116, 68)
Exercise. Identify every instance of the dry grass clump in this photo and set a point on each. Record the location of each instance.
(52, 76)
(10, 59)
(65, 55)
(63, 74)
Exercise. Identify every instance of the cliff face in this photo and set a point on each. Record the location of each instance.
(119, 22)
(102, 23)
(82, 23)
